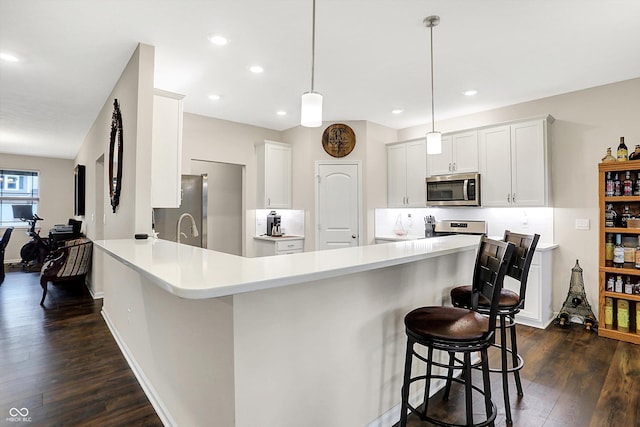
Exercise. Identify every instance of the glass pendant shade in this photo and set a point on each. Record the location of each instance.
(311, 111)
(434, 143)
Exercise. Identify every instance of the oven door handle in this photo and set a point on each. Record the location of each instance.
(465, 185)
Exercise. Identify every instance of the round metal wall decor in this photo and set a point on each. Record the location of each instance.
(338, 140)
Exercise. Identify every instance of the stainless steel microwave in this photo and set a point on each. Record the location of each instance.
(454, 190)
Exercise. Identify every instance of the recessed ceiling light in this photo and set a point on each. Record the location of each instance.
(470, 92)
(218, 40)
(214, 97)
(281, 113)
(8, 57)
(256, 69)
(398, 111)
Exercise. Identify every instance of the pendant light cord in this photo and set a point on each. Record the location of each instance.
(433, 126)
(313, 44)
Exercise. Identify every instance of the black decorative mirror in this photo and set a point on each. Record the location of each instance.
(115, 156)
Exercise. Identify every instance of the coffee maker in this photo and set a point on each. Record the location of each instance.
(273, 224)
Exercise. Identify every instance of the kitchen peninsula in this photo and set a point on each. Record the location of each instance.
(218, 339)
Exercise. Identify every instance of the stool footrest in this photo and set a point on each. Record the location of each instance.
(488, 421)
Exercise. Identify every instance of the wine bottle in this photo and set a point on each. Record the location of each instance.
(610, 216)
(617, 186)
(608, 252)
(608, 313)
(623, 153)
(618, 253)
(627, 184)
(623, 315)
(626, 215)
(608, 192)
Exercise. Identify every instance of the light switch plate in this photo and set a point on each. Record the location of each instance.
(582, 223)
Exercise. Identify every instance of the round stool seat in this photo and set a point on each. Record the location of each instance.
(461, 297)
(446, 323)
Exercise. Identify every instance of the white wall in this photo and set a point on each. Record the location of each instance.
(369, 149)
(215, 140)
(134, 91)
(56, 196)
(587, 122)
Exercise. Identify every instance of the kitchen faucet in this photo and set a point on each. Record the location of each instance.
(194, 228)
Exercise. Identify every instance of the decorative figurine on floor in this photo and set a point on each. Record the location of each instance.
(576, 305)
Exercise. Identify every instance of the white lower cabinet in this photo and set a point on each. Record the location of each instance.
(278, 246)
(537, 310)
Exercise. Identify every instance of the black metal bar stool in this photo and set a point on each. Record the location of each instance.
(458, 330)
(509, 304)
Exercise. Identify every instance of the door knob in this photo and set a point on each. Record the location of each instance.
(353, 236)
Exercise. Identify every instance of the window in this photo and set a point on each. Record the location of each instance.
(19, 196)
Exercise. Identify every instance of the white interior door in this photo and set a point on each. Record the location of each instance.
(338, 205)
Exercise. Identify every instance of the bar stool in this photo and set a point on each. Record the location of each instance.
(458, 330)
(509, 304)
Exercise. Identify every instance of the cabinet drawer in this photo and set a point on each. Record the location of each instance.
(289, 245)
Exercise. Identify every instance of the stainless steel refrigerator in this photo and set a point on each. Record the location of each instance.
(189, 221)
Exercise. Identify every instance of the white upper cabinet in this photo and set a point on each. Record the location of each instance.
(406, 172)
(513, 164)
(166, 149)
(459, 154)
(274, 175)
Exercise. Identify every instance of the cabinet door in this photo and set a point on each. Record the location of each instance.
(277, 176)
(396, 175)
(441, 164)
(416, 155)
(528, 167)
(465, 152)
(533, 298)
(495, 166)
(166, 150)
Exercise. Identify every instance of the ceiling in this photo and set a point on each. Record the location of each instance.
(371, 57)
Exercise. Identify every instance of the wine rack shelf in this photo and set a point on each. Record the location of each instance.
(632, 301)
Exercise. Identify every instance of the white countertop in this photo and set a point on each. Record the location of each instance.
(279, 238)
(541, 247)
(195, 273)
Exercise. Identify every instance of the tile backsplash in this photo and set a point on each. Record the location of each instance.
(519, 220)
(292, 221)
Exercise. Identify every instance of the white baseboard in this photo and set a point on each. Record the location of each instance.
(148, 389)
(95, 295)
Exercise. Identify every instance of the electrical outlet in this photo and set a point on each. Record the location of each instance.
(582, 223)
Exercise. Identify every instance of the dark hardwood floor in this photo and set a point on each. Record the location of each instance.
(63, 365)
(61, 362)
(571, 378)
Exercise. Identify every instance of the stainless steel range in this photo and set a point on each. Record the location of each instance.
(456, 226)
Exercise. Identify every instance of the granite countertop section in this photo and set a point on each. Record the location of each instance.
(194, 273)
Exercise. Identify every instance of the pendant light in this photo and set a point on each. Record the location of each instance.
(311, 111)
(434, 139)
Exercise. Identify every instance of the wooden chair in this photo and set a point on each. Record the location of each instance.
(3, 245)
(458, 331)
(509, 304)
(69, 262)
